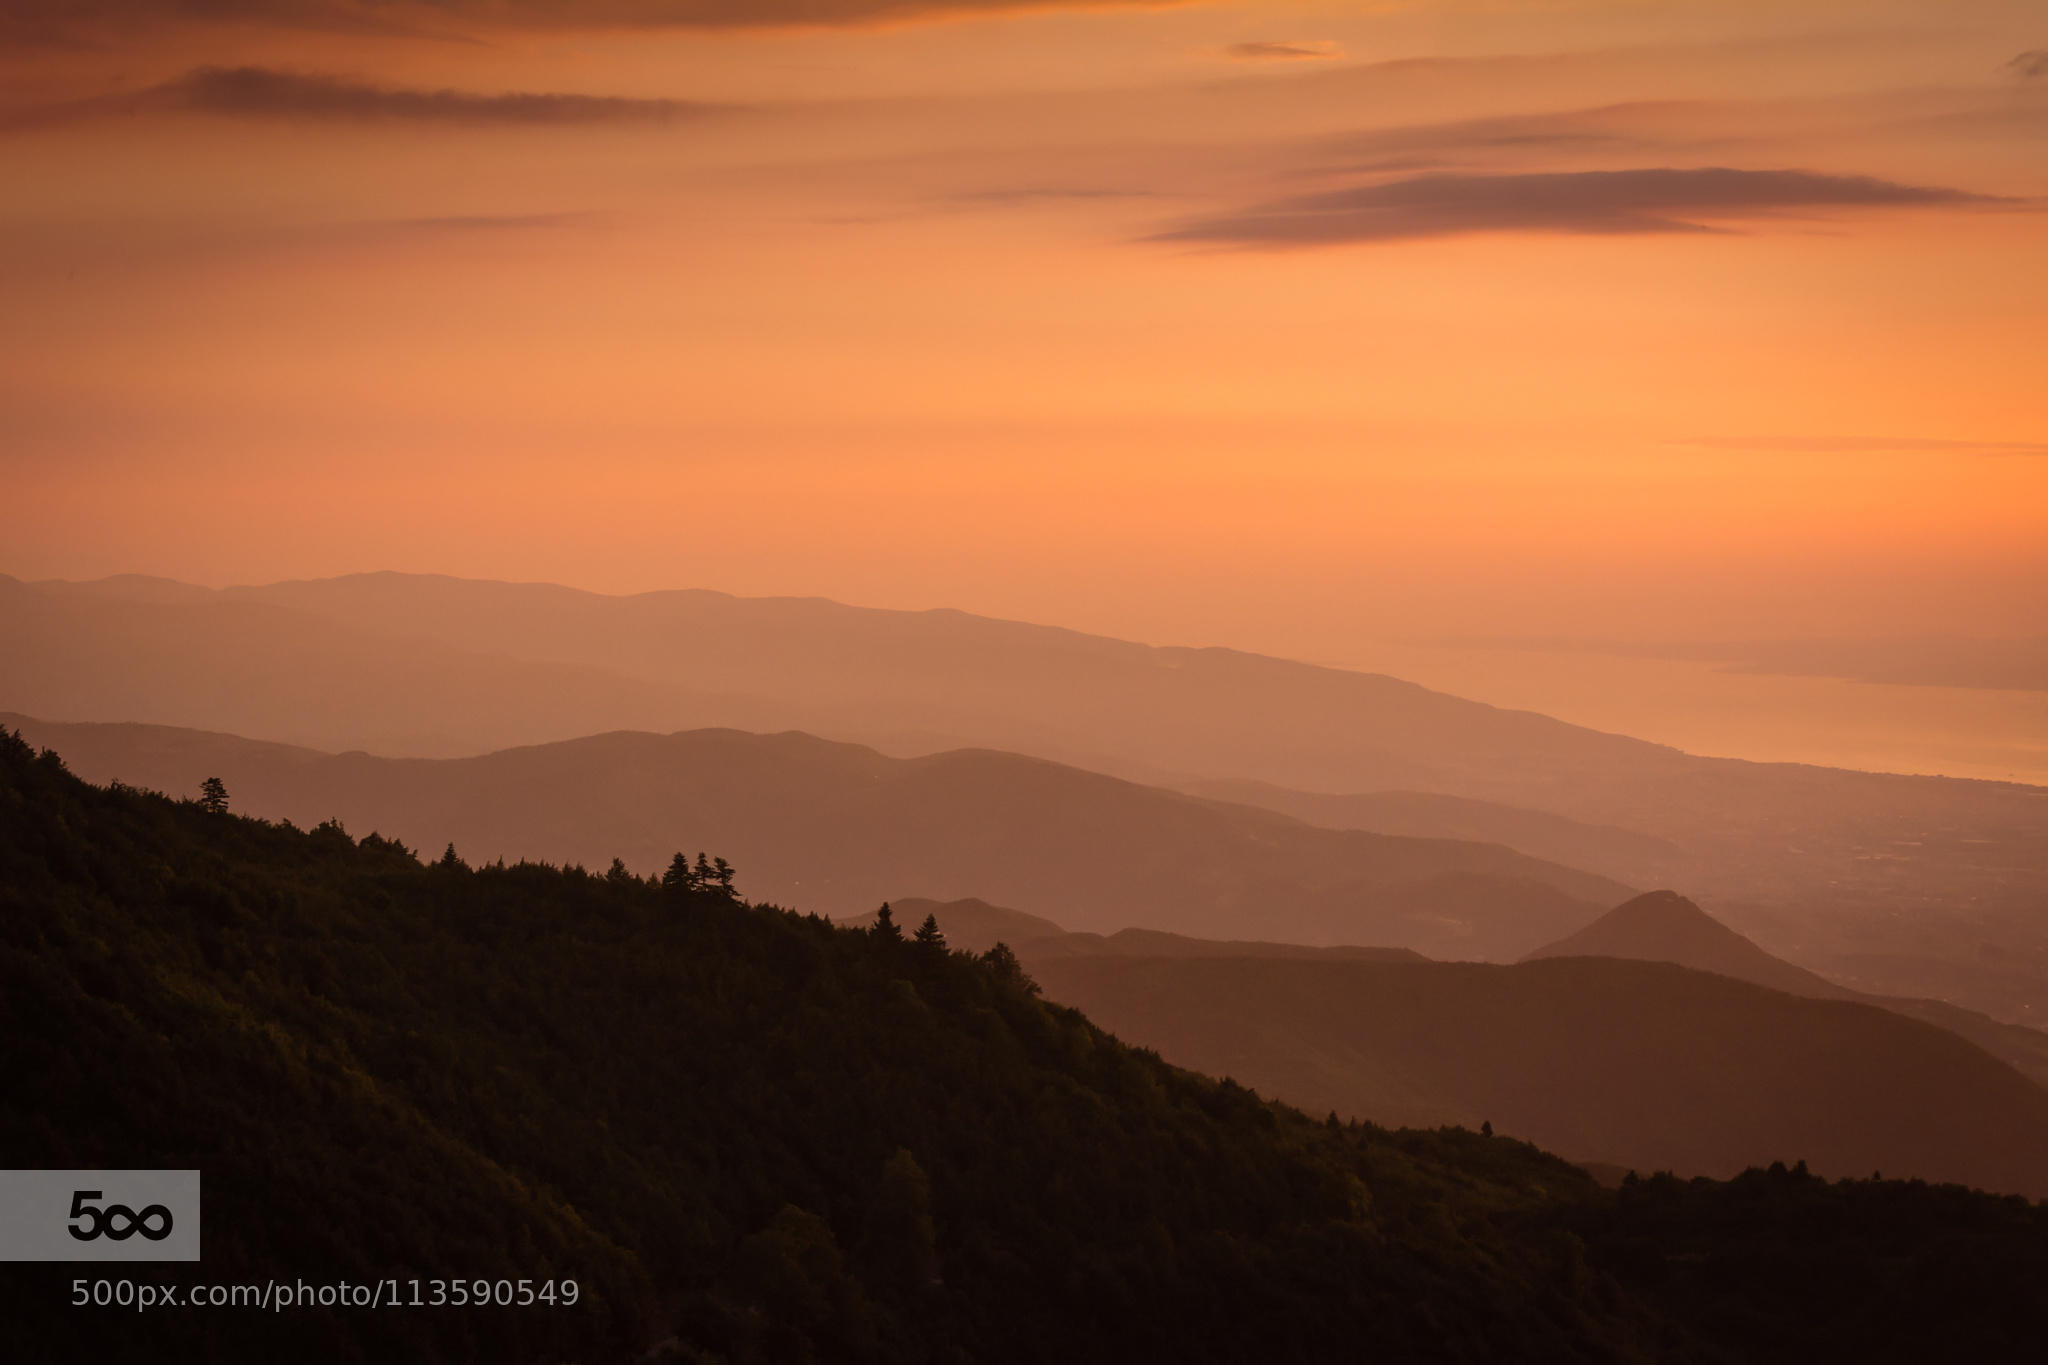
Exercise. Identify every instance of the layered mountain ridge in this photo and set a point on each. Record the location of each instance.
(1899, 885)
(1627, 1059)
(839, 827)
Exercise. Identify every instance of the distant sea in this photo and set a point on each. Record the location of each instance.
(1707, 708)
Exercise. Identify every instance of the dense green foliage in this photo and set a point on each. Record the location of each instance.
(750, 1135)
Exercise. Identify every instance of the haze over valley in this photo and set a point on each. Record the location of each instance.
(1895, 884)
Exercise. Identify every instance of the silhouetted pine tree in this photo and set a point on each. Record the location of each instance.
(928, 934)
(679, 877)
(885, 924)
(1002, 960)
(213, 796)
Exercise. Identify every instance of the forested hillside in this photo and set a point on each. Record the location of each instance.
(750, 1135)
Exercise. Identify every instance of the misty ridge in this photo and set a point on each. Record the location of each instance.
(838, 828)
(1897, 885)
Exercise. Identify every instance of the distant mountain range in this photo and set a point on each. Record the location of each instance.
(1215, 933)
(1594, 1047)
(977, 926)
(1665, 927)
(1642, 1065)
(837, 828)
(1904, 885)
(1629, 855)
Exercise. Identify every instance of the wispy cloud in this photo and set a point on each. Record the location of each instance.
(1317, 50)
(116, 22)
(1041, 194)
(259, 92)
(255, 92)
(487, 222)
(2030, 66)
(1648, 200)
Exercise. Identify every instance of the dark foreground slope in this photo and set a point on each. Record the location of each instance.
(838, 828)
(1637, 1064)
(752, 1136)
(1599, 1059)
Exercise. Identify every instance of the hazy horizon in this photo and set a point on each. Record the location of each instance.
(1342, 333)
(1714, 706)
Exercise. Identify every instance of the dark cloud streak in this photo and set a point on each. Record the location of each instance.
(249, 91)
(1641, 201)
(253, 92)
(1284, 52)
(1046, 194)
(26, 23)
(487, 222)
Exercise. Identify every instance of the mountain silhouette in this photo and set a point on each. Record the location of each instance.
(1663, 926)
(971, 923)
(1625, 854)
(1738, 1079)
(1638, 1065)
(1892, 883)
(975, 925)
(838, 828)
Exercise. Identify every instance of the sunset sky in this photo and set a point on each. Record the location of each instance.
(1335, 330)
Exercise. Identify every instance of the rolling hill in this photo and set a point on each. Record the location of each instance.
(840, 828)
(1571, 1059)
(976, 926)
(907, 682)
(1624, 854)
(1641, 1065)
(1902, 885)
(1663, 926)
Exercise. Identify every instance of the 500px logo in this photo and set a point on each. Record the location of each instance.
(100, 1222)
(99, 1215)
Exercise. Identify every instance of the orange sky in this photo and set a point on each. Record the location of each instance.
(1308, 327)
